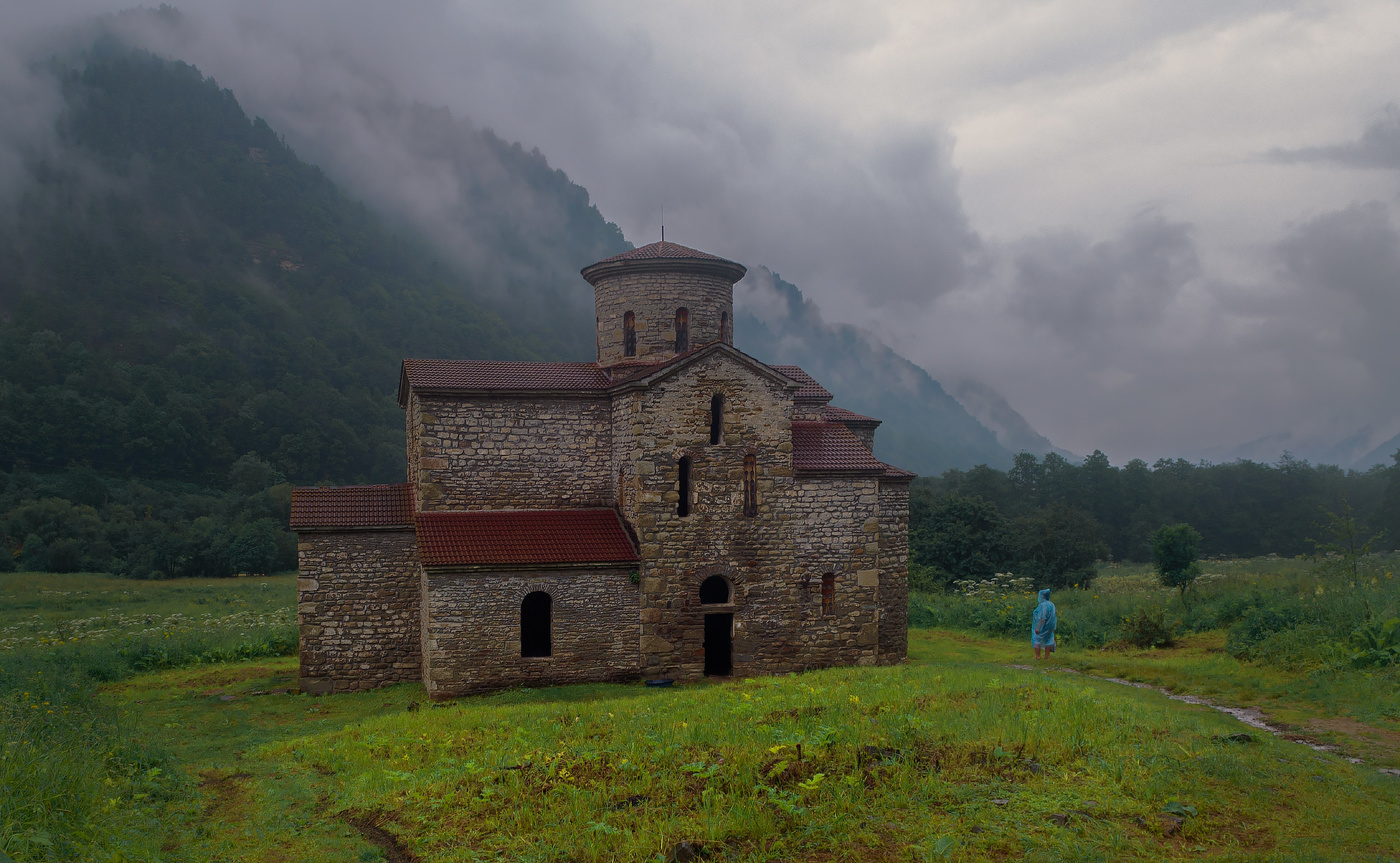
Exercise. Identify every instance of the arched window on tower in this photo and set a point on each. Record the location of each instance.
(750, 485)
(629, 335)
(682, 330)
(829, 595)
(683, 469)
(724, 327)
(535, 625)
(717, 418)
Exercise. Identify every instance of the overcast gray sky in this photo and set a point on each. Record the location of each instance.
(1156, 228)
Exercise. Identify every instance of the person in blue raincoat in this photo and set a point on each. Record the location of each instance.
(1043, 626)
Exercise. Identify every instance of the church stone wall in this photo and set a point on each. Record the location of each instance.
(653, 299)
(357, 610)
(510, 453)
(671, 420)
(472, 630)
(837, 532)
(894, 571)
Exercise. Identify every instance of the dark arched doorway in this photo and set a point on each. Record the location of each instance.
(719, 628)
(535, 625)
(714, 590)
(719, 645)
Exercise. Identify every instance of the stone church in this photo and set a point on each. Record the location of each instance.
(674, 509)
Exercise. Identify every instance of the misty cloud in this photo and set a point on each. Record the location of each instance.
(1079, 287)
(1062, 204)
(1378, 147)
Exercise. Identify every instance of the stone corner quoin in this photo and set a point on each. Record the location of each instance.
(674, 509)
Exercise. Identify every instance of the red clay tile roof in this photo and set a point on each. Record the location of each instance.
(352, 506)
(841, 415)
(523, 537)
(811, 390)
(892, 472)
(663, 257)
(458, 375)
(663, 249)
(830, 448)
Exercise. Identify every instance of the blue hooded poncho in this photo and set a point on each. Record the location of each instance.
(1043, 622)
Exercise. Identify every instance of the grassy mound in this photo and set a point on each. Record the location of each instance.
(944, 759)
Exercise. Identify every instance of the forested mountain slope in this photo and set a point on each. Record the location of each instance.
(923, 428)
(177, 289)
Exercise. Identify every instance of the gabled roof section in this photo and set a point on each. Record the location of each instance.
(353, 507)
(822, 447)
(897, 473)
(663, 257)
(645, 376)
(583, 537)
(841, 415)
(811, 391)
(468, 376)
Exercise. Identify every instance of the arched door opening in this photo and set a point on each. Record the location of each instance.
(535, 624)
(719, 645)
(714, 591)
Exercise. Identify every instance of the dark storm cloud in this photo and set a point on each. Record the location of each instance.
(1077, 286)
(1378, 147)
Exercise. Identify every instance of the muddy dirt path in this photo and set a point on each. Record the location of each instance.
(1256, 718)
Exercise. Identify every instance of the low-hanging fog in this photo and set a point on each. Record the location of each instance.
(1156, 229)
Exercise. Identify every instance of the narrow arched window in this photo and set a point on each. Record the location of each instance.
(714, 591)
(750, 485)
(622, 488)
(828, 595)
(682, 330)
(683, 469)
(629, 335)
(535, 624)
(717, 418)
(724, 327)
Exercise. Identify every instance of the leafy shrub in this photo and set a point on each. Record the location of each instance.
(1376, 644)
(1300, 647)
(1146, 627)
(1260, 622)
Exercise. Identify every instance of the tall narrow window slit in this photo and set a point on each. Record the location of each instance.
(683, 505)
(629, 335)
(682, 330)
(716, 419)
(750, 485)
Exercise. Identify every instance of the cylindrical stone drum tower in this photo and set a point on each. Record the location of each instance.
(661, 300)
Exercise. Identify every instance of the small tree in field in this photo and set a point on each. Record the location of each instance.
(1176, 550)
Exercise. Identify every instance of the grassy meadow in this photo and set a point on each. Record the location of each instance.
(170, 741)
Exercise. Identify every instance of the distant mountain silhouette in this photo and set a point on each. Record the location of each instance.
(924, 429)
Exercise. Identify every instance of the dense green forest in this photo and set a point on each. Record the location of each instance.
(184, 304)
(181, 295)
(1050, 518)
(212, 295)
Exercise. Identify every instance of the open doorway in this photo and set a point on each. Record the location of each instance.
(719, 645)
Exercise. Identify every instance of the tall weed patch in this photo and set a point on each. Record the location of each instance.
(78, 782)
(1258, 602)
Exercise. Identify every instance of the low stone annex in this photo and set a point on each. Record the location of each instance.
(674, 509)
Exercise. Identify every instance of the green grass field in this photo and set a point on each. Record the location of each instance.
(953, 756)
